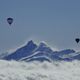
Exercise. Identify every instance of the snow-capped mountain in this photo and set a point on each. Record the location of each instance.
(41, 52)
(22, 52)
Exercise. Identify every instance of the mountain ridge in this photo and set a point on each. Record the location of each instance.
(41, 52)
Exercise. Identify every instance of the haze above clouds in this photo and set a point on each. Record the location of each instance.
(55, 21)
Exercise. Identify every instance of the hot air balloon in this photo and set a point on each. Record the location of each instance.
(77, 40)
(10, 20)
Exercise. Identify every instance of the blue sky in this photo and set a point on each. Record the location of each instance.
(55, 21)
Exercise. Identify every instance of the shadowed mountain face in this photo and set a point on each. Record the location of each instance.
(41, 52)
(22, 52)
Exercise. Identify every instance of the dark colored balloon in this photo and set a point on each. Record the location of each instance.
(77, 40)
(10, 20)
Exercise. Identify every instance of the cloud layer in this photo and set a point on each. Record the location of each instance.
(12, 70)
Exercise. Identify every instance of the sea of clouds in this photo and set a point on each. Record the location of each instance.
(13, 70)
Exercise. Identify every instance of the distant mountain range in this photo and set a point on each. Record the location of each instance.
(42, 52)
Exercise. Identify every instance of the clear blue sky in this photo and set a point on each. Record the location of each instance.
(55, 21)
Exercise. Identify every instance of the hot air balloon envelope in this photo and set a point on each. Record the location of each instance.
(77, 40)
(10, 20)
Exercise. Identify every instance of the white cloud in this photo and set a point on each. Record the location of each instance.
(12, 70)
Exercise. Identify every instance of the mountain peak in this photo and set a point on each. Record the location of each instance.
(30, 42)
(43, 44)
(22, 52)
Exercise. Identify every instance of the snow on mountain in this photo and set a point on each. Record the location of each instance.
(41, 52)
(65, 54)
(77, 56)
